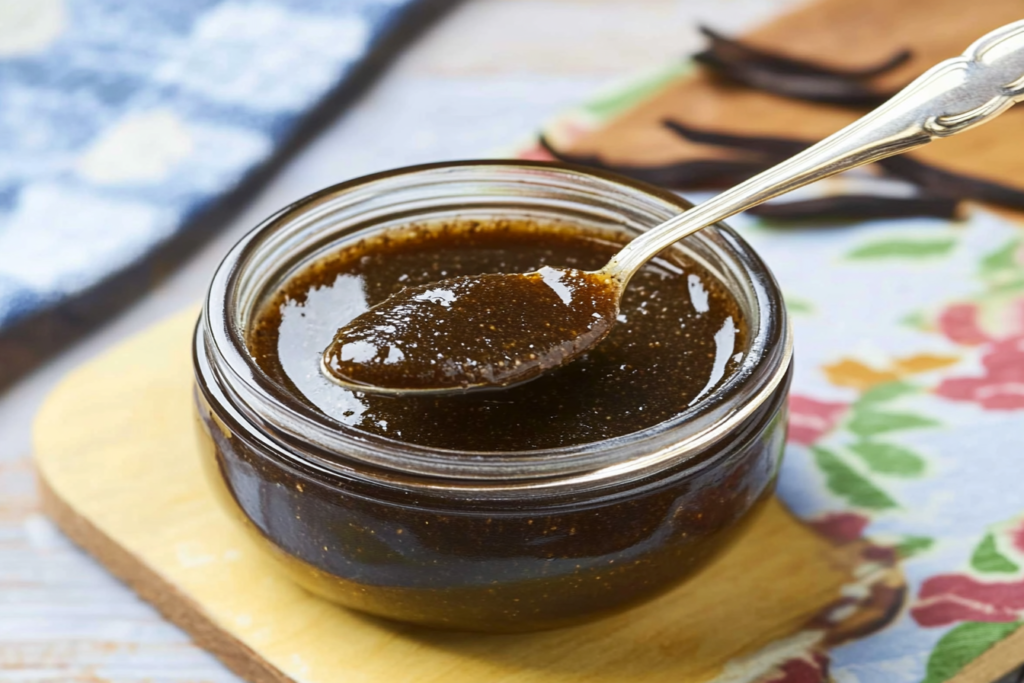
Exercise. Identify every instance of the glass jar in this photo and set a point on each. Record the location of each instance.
(510, 541)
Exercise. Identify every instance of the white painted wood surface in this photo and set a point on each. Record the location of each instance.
(483, 77)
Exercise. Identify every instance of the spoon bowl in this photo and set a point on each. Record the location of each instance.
(473, 333)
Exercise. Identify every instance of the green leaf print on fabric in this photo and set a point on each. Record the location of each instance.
(904, 248)
(962, 645)
(845, 482)
(886, 392)
(1009, 286)
(917, 321)
(913, 545)
(888, 458)
(1002, 259)
(1002, 271)
(868, 422)
(988, 559)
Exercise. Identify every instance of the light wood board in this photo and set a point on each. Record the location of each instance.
(121, 476)
(839, 32)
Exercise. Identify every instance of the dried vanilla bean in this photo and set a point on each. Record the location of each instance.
(850, 207)
(795, 78)
(701, 173)
(778, 148)
(734, 50)
(939, 181)
(933, 180)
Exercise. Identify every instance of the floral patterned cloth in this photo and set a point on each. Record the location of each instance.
(908, 422)
(120, 120)
(906, 434)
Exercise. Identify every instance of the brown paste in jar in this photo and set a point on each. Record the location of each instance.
(679, 333)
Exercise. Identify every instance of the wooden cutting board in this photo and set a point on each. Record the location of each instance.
(626, 126)
(120, 474)
(845, 33)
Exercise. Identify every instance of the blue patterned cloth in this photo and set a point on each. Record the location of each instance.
(120, 120)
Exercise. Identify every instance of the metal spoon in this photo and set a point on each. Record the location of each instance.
(951, 97)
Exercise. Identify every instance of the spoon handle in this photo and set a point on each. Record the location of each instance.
(949, 98)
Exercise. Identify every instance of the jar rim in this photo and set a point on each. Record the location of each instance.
(311, 437)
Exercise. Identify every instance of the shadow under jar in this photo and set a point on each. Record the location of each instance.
(484, 540)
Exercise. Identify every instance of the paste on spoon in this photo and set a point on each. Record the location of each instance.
(491, 330)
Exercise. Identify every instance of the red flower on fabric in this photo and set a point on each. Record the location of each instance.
(810, 419)
(1002, 385)
(960, 324)
(949, 598)
(812, 668)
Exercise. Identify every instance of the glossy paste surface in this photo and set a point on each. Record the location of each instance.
(679, 333)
